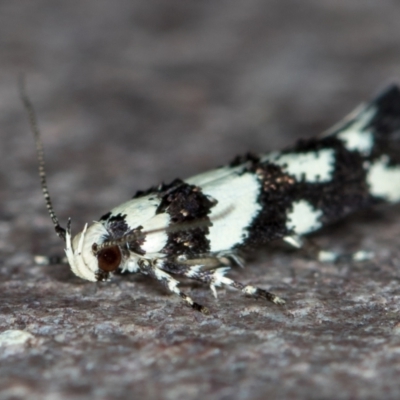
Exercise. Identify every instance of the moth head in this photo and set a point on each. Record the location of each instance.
(88, 260)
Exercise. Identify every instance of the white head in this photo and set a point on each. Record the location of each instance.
(92, 257)
(79, 251)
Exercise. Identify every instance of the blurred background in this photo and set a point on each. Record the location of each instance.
(132, 93)
(129, 93)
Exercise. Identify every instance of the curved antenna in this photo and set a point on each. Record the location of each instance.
(137, 234)
(133, 236)
(40, 156)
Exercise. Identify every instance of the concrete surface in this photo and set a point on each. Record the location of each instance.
(130, 93)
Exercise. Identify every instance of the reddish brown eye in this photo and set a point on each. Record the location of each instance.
(109, 259)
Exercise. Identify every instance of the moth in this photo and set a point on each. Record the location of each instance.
(196, 228)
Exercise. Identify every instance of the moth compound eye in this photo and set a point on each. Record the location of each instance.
(109, 259)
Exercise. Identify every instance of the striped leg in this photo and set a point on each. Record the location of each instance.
(312, 250)
(167, 280)
(216, 278)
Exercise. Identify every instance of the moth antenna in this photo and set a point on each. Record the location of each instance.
(138, 234)
(40, 156)
(129, 237)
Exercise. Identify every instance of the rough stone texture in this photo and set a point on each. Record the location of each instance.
(130, 93)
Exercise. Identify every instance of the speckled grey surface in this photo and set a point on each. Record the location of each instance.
(130, 93)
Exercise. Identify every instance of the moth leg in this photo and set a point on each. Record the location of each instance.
(215, 278)
(151, 269)
(50, 260)
(231, 258)
(219, 279)
(313, 250)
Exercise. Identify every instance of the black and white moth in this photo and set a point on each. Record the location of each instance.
(196, 228)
